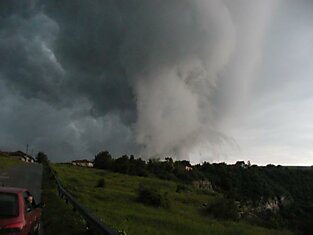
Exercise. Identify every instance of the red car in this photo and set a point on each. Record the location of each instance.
(19, 214)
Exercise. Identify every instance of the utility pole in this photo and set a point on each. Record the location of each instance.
(27, 149)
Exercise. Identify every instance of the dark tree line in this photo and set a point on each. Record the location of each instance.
(167, 169)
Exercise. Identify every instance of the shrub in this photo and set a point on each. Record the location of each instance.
(270, 219)
(182, 188)
(100, 183)
(152, 197)
(223, 208)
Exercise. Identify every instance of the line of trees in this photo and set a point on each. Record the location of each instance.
(167, 169)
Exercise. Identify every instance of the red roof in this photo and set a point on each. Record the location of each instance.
(82, 161)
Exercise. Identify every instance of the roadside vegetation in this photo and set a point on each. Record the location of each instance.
(148, 205)
(8, 162)
(58, 217)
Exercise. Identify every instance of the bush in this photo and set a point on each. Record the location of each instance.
(100, 183)
(270, 219)
(223, 208)
(152, 197)
(182, 188)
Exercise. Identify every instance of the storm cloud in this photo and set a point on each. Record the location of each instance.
(205, 80)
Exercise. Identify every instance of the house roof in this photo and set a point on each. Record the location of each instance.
(82, 161)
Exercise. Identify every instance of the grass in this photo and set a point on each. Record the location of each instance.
(58, 217)
(116, 205)
(8, 162)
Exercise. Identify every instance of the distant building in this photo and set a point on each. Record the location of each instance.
(241, 164)
(19, 155)
(188, 168)
(84, 163)
(27, 159)
(23, 156)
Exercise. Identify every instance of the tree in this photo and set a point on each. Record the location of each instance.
(122, 165)
(41, 157)
(103, 160)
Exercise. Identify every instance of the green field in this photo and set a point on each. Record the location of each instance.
(7, 162)
(116, 205)
(58, 218)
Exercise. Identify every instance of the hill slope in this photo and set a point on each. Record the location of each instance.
(116, 203)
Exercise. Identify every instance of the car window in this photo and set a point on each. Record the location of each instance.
(8, 205)
(29, 206)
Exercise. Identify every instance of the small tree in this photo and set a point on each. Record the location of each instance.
(41, 157)
(223, 208)
(103, 160)
(122, 165)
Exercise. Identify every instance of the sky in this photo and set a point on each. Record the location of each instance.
(202, 80)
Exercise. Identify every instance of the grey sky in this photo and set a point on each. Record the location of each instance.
(207, 80)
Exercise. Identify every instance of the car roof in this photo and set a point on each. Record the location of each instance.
(11, 190)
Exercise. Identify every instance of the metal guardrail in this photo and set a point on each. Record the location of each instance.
(93, 223)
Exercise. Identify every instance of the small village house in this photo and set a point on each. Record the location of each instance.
(19, 155)
(83, 163)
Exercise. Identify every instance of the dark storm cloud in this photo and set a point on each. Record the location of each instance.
(57, 91)
(36, 46)
(88, 47)
(61, 53)
(140, 76)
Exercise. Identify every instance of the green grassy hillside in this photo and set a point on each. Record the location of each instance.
(116, 204)
(7, 162)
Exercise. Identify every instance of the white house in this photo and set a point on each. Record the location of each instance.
(188, 168)
(84, 163)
